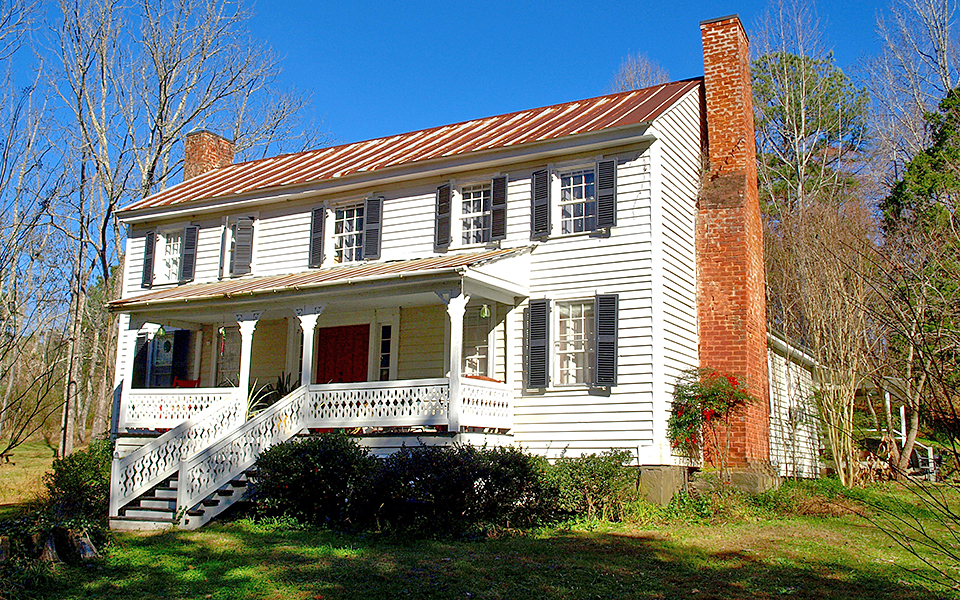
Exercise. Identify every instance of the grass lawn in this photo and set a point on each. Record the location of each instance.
(802, 557)
(22, 478)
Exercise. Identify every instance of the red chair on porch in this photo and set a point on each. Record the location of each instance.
(185, 383)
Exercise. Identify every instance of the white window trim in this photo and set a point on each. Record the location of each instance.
(456, 211)
(330, 236)
(556, 214)
(391, 317)
(555, 341)
(159, 253)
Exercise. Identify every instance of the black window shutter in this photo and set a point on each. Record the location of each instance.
(607, 193)
(316, 237)
(442, 232)
(242, 247)
(372, 226)
(188, 253)
(539, 204)
(605, 312)
(149, 244)
(538, 338)
(498, 221)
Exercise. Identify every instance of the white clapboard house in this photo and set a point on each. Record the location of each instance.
(528, 278)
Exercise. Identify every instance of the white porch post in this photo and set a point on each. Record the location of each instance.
(126, 377)
(456, 306)
(308, 323)
(247, 323)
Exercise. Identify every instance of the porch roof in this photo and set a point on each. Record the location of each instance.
(272, 286)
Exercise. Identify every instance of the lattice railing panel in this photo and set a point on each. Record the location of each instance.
(167, 408)
(214, 467)
(486, 404)
(150, 464)
(379, 404)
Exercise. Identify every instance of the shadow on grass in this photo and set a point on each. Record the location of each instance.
(237, 561)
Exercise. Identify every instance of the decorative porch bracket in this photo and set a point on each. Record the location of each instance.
(456, 307)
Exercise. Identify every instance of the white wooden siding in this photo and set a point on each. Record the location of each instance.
(676, 164)
(282, 238)
(794, 425)
(422, 332)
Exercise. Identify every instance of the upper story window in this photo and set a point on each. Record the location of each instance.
(168, 267)
(169, 255)
(584, 198)
(348, 234)
(475, 213)
(578, 201)
(355, 232)
(237, 257)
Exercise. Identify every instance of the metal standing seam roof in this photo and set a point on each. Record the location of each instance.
(271, 284)
(490, 133)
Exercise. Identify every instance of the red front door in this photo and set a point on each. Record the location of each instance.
(342, 354)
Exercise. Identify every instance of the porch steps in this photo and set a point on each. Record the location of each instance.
(155, 509)
(231, 493)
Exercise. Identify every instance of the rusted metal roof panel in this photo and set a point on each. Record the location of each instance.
(273, 284)
(491, 133)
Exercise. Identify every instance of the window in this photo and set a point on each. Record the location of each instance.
(177, 255)
(240, 234)
(584, 197)
(575, 342)
(386, 338)
(476, 340)
(584, 347)
(475, 213)
(578, 201)
(478, 209)
(168, 269)
(348, 234)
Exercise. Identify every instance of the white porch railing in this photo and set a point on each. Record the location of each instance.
(487, 404)
(167, 408)
(378, 404)
(150, 464)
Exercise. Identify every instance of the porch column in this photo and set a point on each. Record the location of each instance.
(456, 306)
(247, 323)
(308, 323)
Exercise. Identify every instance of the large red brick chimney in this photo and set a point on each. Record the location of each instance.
(731, 304)
(204, 151)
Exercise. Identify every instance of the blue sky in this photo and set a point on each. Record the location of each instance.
(379, 68)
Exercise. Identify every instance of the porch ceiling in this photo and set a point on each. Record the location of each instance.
(347, 283)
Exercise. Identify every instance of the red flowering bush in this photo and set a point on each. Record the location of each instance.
(703, 399)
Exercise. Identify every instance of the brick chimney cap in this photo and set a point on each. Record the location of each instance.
(199, 131)
(735, 17)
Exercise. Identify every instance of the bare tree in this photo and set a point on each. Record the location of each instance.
(134, 80)
(638, 71)
(810, 123)
(915, 69)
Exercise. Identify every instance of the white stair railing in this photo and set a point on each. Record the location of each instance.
(150, 464)
(213, 467)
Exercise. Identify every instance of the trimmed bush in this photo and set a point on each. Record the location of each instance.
(440, 491)
(595, 485)
(314, 480)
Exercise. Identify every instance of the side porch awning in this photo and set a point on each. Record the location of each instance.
(499, 274)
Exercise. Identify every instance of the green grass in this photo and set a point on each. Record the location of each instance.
(801, 557)
(21, 479)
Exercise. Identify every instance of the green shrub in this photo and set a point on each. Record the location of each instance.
(440, 491)
(314, 480)
(595, 485)
(78, 488)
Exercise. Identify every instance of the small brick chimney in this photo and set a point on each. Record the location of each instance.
(731, 302)
(205, 151)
